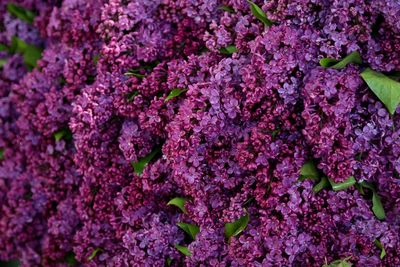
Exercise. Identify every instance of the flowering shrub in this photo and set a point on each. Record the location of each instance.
(200, 133)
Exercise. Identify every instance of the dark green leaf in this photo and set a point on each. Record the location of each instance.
(21, 13)
(30, 53)
(309, 171)
(230, 49)
(141, 164)
(227, 9)
(168, 261)
(259, 14)
(2, 62)
(94, 253)
(63, 133)
(367, 185)
(130, 96)
(96, 58)
(3, 47)
(190, 229)
(70, 259)
(174, 93)
(236, 227)
(178, 202)
(1, 153)
(386, 89)
(353, 57)
(379, 245)
(377, 206)
(11, 263)
(248, 201)
(324, 183)
(184, 250)
(343, 185)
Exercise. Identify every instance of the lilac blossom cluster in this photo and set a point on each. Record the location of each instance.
(254, 105)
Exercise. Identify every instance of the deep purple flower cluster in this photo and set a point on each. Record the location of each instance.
(231, 143)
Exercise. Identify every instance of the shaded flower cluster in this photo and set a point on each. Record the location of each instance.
(231, 143)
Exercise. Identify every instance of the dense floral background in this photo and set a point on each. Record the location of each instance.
(252, 106)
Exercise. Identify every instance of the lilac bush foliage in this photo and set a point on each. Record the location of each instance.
(232, 143)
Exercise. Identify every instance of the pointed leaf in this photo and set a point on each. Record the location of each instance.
(379, 245)
(184, 250)
(352, 58)
(21, 13)
(142, 163)
(343, 185)
(236, 227)
(309, 171)
(178, 202)
(174, 93)
(190, 229)
(230, 49)
(130, 96)
(324, 183)
(259, 14)
(226, 8)
(386, 89)
(377, 206)
(63, 133)
(134, 73)
(94, 253)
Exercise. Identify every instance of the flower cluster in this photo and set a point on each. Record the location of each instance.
(135, 103)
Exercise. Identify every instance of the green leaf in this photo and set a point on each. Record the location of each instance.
(309, 171)
(130, 96)
(339, 263)
(343, 185)
(353, 58)
(21, 13)
(1, 153)
(324, 183)
(236, 227)
(2, 62)
(259, 14)
(11, 263)
(30, 53)
(3, 47)
(178, 202)
(377, 206)
(138, 71)
(70, 259)
(96, 58)
(380, 246)
(64, 133)
(190, 229)
(184, 250)
(386, 89)
(134, 73)
(174, 93)
(168, 261)
(226, 8)
(142, 163)
(94, 253)
(230, 49)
